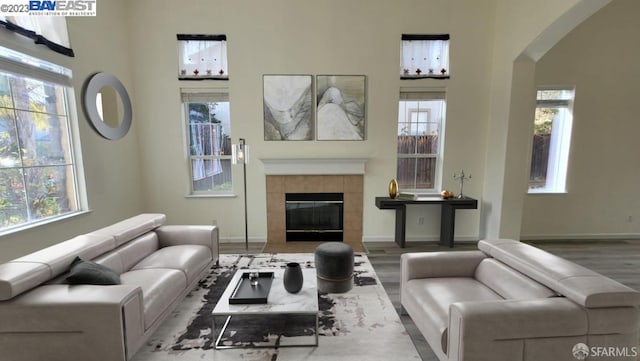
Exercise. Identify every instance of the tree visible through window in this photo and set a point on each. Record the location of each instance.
(420, 136)
(37, 169)
(551, 140)
(209, 132)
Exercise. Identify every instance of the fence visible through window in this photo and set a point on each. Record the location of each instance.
(417, 161)
(539, 160)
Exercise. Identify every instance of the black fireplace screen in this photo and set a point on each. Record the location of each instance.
(314, 216)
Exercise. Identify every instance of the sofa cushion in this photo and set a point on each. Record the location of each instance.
(509, 283)
(91, 273)
(18, 277)
(581, 285)
(160, 287)
(189, 259)
(27, 272)
(130, 228)
(111, 260)
(133, 252)
(433, 296)
(59, 256)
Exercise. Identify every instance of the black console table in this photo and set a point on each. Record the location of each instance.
(447, 218)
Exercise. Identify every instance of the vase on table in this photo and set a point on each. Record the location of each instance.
(393, 188)
(293, 277)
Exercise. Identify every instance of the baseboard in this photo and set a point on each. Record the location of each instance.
(378, 239)
(374, 239)
(578, 236)
(524, 237)
(241, 239)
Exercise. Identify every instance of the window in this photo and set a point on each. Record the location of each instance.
(202, 57)
(551, 140)
(38, 178)
(424, 56)
(421, 119)
(208, 140)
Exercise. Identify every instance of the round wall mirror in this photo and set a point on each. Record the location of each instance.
(107, 106)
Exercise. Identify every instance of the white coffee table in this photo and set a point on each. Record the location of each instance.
(279, 302)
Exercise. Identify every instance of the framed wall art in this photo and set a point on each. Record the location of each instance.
(288, 107)
(341, 104)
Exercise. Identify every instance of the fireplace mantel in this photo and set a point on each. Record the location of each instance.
(313, 166)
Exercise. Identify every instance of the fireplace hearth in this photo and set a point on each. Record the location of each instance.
(314, 217)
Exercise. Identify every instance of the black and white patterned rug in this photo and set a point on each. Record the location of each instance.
(358, 325)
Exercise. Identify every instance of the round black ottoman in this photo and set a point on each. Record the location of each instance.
(334, 267)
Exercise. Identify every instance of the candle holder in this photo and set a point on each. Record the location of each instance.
(461, 178)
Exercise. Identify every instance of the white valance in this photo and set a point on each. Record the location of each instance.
(48, 30)
(202, 57)
(424, 56)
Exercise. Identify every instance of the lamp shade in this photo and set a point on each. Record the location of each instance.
(240, 152)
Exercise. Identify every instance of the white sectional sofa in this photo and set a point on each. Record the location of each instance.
(509, 301)
(43, 317)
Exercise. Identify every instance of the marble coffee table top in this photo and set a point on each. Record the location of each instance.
(278, 300)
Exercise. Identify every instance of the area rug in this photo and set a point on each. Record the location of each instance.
(361, 324)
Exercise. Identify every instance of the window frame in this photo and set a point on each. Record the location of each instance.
(221, 95)
(560, 142)
(25, 66)
(425, 94)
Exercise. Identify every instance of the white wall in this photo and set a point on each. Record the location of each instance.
(293, 37)
(111, 168)
(600, 58)
(488, 96)
(524, 31)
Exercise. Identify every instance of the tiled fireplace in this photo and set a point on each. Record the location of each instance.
(315, 176)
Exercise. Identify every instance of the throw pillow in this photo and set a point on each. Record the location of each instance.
(91, 273)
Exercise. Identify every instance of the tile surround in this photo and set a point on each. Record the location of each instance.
(351, 185)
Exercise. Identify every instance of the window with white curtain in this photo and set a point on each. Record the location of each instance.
(421, 117)
(208, 132)
(48, 30)
(424, 56)
(39, 181)
(202, 57)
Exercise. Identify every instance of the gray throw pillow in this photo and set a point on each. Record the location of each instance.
(91, 273)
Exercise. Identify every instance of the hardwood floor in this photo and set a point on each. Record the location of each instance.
(617, 259)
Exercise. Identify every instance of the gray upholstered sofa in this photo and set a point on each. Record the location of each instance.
(42, 317)
(509, 301)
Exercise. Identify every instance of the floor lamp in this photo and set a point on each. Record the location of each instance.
(240, 154)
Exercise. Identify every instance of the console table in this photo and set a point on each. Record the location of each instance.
(447, 218)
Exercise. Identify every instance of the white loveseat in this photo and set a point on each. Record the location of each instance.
(509, 301)
(42, 317)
